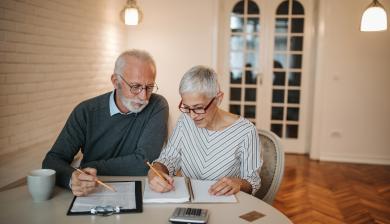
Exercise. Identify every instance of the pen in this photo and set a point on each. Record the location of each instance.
(156, 172)
(189, 187)
(99, 182)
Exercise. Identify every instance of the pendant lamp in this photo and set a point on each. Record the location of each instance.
(374, 18)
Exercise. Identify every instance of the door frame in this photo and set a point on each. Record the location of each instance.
(266, 48)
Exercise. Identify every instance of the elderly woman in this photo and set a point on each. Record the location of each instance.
(209, 143)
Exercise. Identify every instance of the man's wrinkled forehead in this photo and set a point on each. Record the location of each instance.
(139, 71)
(140, 63)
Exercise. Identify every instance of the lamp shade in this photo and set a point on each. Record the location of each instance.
(131, 16)
(374, 18)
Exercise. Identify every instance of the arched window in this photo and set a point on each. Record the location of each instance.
(266, 60)
(244, 58)
(287, 69)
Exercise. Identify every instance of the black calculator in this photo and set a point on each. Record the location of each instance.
(189, 215)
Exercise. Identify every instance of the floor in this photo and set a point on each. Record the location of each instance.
(327, 192)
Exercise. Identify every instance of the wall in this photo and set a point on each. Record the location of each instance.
(179, 34)
(351, 119)
(53, 55)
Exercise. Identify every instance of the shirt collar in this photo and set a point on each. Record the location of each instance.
(113, 107)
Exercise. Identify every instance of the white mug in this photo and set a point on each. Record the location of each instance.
(41, 183)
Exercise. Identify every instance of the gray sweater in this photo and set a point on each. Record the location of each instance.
(115, 145)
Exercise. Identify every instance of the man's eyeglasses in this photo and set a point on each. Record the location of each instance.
(197, 110)
(136, 88)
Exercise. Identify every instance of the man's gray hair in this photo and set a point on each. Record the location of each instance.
(200, 79)
(141, 55)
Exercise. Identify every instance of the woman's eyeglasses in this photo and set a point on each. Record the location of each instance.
(197, 110)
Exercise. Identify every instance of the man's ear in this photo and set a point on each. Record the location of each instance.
(115, 81)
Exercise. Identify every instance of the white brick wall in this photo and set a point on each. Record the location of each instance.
(53, 55)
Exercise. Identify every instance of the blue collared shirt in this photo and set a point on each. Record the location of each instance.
(113, 107)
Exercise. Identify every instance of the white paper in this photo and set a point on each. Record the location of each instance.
(201, 193)
(123, 197)
(179, 195)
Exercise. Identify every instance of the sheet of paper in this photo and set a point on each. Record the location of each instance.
(201, 194)
(179, 195)
(124, 197)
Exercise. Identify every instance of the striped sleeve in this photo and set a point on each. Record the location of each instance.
(251, 160)
(171, 153)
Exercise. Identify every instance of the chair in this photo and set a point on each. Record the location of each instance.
(271, 173)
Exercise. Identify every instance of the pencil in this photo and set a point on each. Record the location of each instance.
(99, 182)
(156, 172)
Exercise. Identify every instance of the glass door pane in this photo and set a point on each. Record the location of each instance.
(244, 58)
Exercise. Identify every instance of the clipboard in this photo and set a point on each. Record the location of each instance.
(132, 190)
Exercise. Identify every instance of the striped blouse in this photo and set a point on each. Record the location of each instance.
(210, 155)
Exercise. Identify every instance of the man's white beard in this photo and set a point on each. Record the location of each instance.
(133, 105)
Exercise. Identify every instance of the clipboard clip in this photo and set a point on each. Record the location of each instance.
(105, 210)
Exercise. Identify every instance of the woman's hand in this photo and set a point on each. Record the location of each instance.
(158, 184)
(226, 186)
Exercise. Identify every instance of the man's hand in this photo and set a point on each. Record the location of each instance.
(83, 183)
(226, 186)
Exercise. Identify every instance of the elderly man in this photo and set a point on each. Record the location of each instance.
(115, 131)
